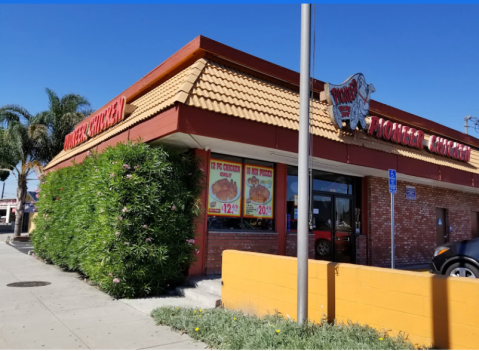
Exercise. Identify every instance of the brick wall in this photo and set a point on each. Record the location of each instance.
(292, 245)
(415, 221)
(255, 242)
(361, 250)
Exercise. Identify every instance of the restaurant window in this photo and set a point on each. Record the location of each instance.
(292, 199)
(240, 194)
(322, 182)
(332, 182)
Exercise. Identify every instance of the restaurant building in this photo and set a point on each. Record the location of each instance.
(240, 115)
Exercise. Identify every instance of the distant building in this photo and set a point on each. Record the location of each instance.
(7, 213)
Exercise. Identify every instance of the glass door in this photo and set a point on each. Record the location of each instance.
(323, 227)
(333, 228)
(343, 225)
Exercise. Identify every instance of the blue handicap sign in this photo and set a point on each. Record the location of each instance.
(392, 181)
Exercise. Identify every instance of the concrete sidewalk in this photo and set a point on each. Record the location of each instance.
(70, 314)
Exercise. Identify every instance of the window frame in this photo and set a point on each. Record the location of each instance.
(243, 161)
(355, 196)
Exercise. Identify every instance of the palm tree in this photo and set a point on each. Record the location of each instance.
(3, 174)
(60, 119)
(28, 142)
(20, 150)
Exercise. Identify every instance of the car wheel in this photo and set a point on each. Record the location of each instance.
(323, 248)
(461, 269)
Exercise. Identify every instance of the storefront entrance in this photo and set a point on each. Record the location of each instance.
(333, 227)
(335, 213)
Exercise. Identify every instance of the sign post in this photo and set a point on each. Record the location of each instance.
(392, 190)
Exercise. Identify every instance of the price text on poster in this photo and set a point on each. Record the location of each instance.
(224, 188)
(258, 191)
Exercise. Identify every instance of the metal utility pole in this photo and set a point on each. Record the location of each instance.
(466, 126)
(3, 190)
(303, 168)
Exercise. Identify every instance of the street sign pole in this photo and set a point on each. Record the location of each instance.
(392, 190)
(392, 230)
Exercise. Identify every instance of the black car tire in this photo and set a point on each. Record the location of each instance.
(323, 248)
(462, 269)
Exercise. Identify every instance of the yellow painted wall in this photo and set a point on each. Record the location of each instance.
(31, 223)
(430, 309)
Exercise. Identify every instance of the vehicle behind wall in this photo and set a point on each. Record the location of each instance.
(459, 259)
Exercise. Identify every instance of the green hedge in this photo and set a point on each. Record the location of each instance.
(124, 218)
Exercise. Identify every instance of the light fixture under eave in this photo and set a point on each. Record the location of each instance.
(129, 109)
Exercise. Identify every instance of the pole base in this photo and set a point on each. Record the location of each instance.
(23, 238)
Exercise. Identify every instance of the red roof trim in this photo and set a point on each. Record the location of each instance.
(200, 46)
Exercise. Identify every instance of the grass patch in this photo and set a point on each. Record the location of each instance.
(221, 329)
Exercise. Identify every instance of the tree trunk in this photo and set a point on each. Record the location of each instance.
(21, 193)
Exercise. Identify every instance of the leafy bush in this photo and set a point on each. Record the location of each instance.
(228, 330)
(125, 218)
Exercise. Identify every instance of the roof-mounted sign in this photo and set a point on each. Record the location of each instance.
(348, 106)
(348, 103)
(109, 116)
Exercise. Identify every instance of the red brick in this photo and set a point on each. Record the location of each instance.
(415, 221)
(292, 245)
(254, 242)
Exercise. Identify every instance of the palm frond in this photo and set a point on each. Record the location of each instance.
(37, 131)
(13, 113)
(63, 114)
(35, 165)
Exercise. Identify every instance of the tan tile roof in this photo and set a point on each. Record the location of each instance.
(165, 95)
(215, 87)
(225, 90)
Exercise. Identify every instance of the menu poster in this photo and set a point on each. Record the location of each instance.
(258, 193)
(224, 188)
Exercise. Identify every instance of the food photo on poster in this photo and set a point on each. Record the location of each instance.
(224, 195)
(259, 188)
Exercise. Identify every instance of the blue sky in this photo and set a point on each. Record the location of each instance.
(420, 58)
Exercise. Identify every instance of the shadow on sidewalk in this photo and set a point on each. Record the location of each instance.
(23, 247)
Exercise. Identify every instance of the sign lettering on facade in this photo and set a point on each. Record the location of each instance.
(106, 118)
(348, 103)
(348, 106)
(409, 136)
